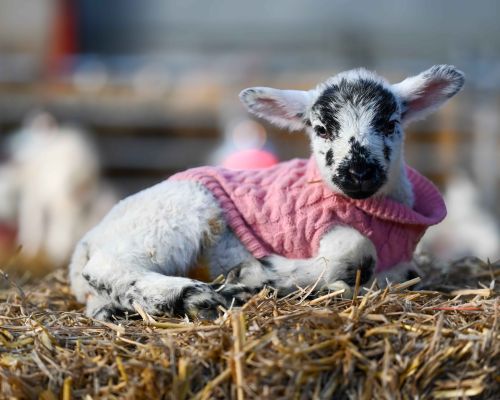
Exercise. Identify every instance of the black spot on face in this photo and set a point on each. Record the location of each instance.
(358, 152)
(327, 110)
(329, 158)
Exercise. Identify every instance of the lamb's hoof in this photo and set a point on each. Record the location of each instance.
(366, 267)
(233, 275)
(339, 285)
(200, 302)
(235, 294)
(106, 313)
(250, 274)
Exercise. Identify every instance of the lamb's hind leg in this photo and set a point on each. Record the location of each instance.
(113, 293)
(142, 251)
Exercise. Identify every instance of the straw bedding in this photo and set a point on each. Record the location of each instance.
(441, 341)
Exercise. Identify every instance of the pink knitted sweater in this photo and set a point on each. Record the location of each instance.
(286, 209)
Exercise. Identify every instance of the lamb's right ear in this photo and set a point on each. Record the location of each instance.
(285, 108)
(427, 91)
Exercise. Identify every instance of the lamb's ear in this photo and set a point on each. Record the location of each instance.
(285, 108)
(424, 93)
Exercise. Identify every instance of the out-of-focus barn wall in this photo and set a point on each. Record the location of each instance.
(156, 81)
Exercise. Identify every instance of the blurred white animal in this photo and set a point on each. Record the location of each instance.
(51, 188)
(469, 229)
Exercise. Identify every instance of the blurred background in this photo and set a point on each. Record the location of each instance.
(99, 99)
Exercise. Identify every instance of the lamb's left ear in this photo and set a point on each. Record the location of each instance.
(285, 108)
(424, 93)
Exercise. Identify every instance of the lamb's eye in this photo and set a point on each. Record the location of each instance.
(389, 127)
(321, 132)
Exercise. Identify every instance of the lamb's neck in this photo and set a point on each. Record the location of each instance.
(399, 187)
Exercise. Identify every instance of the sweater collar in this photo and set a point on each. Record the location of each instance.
(428, 209)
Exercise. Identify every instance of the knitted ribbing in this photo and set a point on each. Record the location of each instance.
(286, 209)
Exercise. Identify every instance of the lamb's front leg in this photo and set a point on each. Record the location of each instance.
(342, 252)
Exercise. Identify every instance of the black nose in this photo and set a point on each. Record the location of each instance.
(359, 179)
(359, 173)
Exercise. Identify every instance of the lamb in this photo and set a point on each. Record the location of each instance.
(354, 205)
(46, 193)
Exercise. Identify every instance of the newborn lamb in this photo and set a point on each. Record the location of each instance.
(353, 205)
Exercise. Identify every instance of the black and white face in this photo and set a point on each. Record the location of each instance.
(355, 133)
(355, 122)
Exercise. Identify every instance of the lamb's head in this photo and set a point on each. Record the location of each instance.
(355, 123)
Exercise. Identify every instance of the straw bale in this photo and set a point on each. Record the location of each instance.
(439, 338)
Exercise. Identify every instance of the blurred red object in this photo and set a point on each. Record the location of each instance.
(250, 159)
(63, 42)
(8, 236)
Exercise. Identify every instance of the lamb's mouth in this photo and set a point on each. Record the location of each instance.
(359, 190)
(359, 194)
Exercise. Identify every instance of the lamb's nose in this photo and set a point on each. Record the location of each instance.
(360, 173)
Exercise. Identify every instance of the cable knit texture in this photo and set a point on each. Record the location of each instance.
(286, 209)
